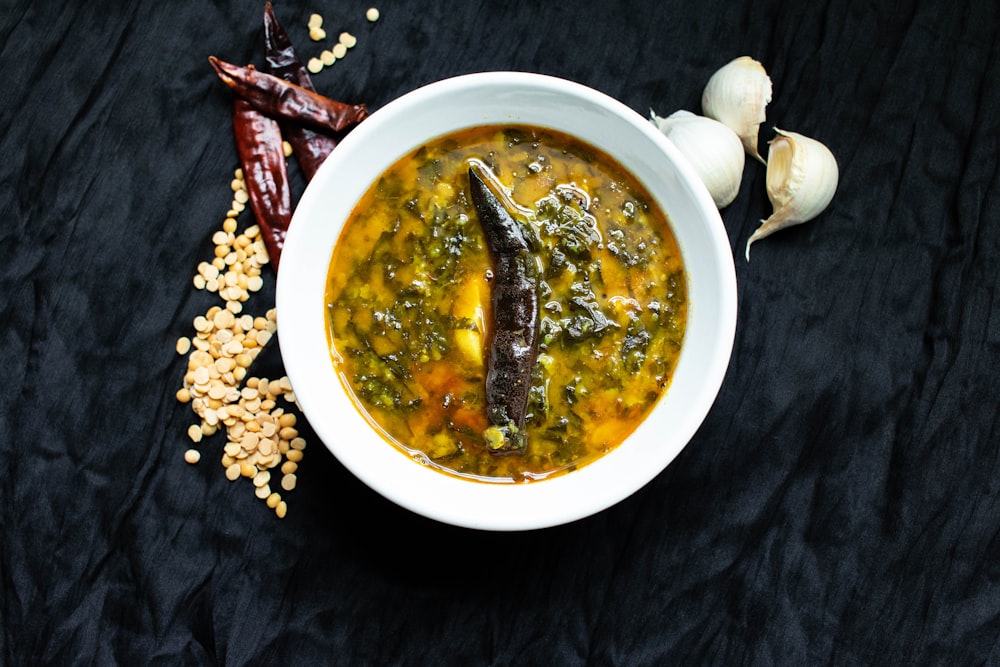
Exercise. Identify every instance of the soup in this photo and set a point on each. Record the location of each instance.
(409, 309)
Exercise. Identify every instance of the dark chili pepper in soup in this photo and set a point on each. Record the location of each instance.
(409, 292)
(512, 343)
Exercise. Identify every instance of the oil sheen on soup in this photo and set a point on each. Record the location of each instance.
(408, 301)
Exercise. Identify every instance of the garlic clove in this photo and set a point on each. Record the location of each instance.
(737, 95)
(712, 149)
(802, 177)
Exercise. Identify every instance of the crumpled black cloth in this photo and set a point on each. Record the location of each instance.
(840, 504)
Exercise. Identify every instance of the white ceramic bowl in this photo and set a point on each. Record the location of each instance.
(492, 98)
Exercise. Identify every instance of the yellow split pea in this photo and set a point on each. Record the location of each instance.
(259, 433)
(315, 25)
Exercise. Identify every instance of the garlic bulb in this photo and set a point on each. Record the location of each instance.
(737, 95)
(802, 176)
(712, 149)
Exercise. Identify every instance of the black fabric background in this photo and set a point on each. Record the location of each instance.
(838, 506)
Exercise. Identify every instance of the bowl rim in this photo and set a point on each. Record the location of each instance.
(441, 496)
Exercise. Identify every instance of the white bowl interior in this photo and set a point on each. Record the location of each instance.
(496, 98)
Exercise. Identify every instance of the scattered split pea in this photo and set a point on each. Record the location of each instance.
(260, 434)
(345, 41)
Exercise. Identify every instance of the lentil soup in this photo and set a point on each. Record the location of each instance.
(408, 301)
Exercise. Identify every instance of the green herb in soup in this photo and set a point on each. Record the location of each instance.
(409, 302)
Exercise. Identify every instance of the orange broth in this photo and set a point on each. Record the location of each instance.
(408, 301)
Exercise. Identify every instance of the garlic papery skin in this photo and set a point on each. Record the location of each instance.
(802, 176)
(737, 95)
(712, 149)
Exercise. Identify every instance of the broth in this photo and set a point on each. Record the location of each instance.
(408, 301)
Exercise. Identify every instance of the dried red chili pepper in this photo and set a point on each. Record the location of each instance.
(258, 142)
(281, 99)
(310, 148)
